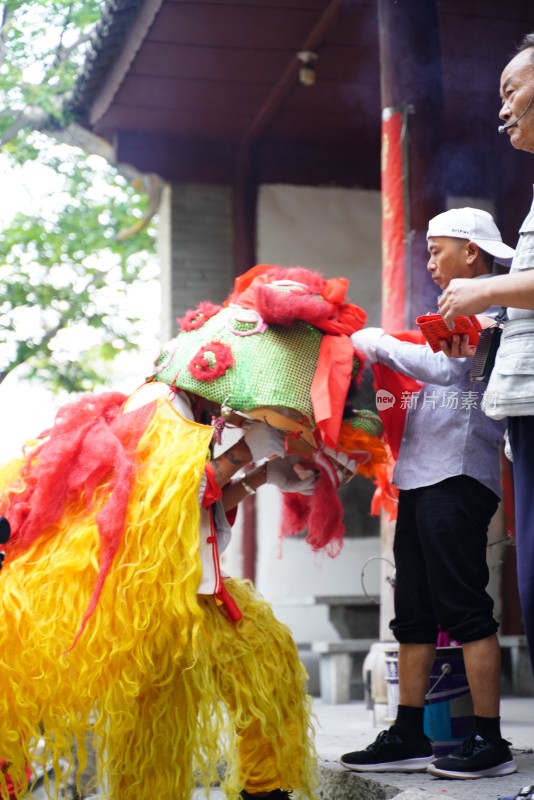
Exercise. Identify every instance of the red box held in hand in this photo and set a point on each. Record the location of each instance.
(433, 328)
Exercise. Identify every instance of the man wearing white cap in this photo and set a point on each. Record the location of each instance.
(448, 477)
(475, 226)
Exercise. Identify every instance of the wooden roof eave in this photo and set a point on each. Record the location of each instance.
(116, 75)
(110, 53)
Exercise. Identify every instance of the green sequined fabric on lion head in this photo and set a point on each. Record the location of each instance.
(229, 361)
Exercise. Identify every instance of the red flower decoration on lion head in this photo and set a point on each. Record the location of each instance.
(195, 318)
(211, 361)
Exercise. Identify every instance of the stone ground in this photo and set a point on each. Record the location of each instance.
(349, 727)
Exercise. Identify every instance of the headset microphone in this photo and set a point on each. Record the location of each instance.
(5, 530)
(504, 128)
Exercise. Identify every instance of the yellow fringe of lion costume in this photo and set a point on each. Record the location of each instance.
(166, 688)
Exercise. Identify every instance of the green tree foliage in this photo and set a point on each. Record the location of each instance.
(63, 274)
(66, 265)
(42, 47)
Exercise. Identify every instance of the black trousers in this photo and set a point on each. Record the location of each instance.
(440, 559)
(521, 430)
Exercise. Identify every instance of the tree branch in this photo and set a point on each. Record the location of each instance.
(31, 116)
(64, 53)
(58, 59)
(153, 186)
(77, 136)
(4, 25)
(47, 337)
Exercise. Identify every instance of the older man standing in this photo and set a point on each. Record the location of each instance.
(516, 291)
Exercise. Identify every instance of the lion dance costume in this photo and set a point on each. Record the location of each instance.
(103, 631)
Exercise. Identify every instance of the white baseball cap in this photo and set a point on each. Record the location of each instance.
(475, 225)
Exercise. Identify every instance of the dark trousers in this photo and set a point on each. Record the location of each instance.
(521, 432)
(440, 559)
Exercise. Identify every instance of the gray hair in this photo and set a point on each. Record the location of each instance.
(526, 43)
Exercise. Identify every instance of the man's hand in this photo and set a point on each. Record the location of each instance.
(365, 342)
(264, 441)
(462, 296)
(288, 476)
(459, 346)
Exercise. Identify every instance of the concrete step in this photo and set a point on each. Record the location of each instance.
(337, 783)
(340, 728)
(334, 786)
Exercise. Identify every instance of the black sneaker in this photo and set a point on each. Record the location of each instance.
(477, 757)
(276, 794)
(390, 753)
(526, 793)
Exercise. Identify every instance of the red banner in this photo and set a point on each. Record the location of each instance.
(393, 237)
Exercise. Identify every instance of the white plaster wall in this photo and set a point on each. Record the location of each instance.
(331, 230)
(335, 232)
(290, 570)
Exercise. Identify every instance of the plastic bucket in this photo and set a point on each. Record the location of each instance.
(374, 681)
(448, 707)
(392, 683)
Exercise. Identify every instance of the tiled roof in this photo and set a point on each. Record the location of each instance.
(107, 41)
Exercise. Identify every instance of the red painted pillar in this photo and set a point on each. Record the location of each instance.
(244, 218)
(411, 93)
